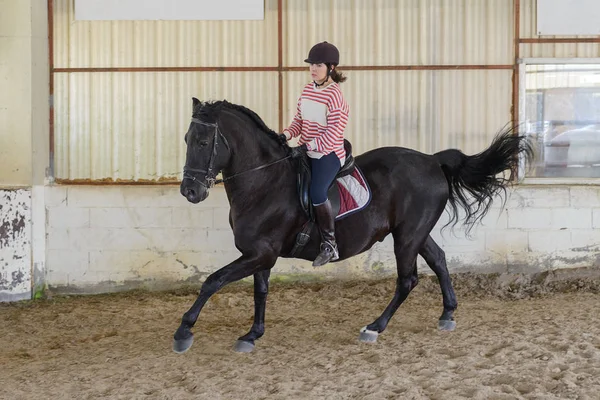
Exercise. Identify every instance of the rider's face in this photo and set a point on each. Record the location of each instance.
(318, 72)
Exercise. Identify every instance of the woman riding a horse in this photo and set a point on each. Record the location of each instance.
(320, 120)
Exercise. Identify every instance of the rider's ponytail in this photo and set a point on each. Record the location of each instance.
(336, 75)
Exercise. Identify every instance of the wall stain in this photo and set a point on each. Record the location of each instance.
(15, 241)
(185, 266)
(18, 224)
(4, 234)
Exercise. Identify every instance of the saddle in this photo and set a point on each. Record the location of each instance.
(303, 186)
(304, 178)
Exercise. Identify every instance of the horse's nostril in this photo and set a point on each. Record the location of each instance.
(191, 192)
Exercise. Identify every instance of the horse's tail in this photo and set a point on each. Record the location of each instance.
(474, 180)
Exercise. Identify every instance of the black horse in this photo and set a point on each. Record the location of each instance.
(410, 192)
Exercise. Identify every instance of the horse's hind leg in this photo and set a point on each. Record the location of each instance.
(436, 260)
(245, 344)
(406, 252)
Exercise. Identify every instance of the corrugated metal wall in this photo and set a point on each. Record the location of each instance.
(96, 44)
(127, 125)
(426, 74)
(402, 32)
(422, 109)
(130, 125)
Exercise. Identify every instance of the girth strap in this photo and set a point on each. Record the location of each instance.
(302, 238)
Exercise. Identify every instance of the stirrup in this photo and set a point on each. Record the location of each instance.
(328, 253)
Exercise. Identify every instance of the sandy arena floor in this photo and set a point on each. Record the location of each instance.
(514, 340)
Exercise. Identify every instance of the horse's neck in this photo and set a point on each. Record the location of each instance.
(252, 151)
(248, 151)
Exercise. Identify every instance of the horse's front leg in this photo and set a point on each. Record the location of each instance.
(243, 267)
(245, 344)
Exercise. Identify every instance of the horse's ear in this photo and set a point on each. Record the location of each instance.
(195, 102)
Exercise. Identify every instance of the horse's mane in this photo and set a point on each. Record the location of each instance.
(209, 110)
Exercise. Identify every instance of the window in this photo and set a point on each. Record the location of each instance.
(560, 112)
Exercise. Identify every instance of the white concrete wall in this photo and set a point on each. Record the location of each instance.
(112, 237)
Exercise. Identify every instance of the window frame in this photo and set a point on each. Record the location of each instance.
(522, 64)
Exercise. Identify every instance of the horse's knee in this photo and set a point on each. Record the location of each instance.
(404, 283)
(260, 295)
(261, 288)
(406, 280)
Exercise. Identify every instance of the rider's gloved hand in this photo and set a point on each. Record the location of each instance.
(282, 138)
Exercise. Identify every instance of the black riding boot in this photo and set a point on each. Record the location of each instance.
(326, 222)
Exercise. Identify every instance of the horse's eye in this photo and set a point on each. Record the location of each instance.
(203, 143)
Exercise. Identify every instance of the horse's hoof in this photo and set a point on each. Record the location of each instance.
(183, 345)
(446, 325)
(242, 346)
(367, 336)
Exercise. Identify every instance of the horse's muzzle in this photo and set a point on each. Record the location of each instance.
(193, 195)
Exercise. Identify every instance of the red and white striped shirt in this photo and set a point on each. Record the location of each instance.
(320, 120)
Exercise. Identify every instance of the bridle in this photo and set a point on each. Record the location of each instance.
(210, 174)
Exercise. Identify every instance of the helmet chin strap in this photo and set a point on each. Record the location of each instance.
(326, 78)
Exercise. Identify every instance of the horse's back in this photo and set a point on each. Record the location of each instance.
(397, 172)
(402, 162)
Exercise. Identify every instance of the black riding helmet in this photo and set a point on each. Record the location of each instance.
(323, 53)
